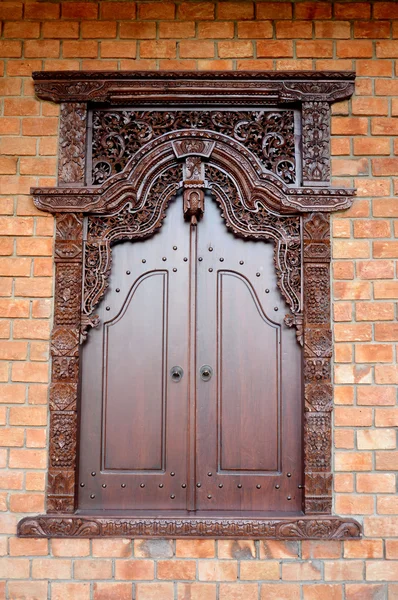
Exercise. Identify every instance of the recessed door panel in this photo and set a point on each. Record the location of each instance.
(135, 356)
(248, 389)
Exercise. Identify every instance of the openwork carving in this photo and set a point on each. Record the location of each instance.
(118, 135)
(247, 159)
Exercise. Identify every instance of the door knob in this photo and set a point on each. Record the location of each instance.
(206, 372)
(176, 374)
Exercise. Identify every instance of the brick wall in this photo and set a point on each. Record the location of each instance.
(207, 35)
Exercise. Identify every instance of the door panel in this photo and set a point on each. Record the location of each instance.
(248, 419)
(249, 412)
(134, 416)
(141, 323)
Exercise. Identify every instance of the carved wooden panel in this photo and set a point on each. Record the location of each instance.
(138, 160)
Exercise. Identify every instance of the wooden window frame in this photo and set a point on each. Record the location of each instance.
(312, 202)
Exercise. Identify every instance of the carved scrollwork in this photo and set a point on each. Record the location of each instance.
(117, 135)
(316, 142)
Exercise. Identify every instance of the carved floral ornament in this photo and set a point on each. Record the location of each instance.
(143, 145)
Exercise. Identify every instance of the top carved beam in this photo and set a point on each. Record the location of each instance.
(236, 88)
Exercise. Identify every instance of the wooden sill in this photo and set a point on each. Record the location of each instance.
(150, 524)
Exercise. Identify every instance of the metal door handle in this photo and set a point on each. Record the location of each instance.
(176, 374)
(206, 372)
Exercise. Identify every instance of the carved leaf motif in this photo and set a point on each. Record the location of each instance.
(117, 135)
(316, 140)
(63, 440)
(317, 441)
(72, 142)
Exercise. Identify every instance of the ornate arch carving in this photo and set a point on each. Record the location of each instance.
(268, 186)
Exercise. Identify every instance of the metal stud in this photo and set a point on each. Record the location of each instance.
(164, 258)
(184, 485)
(221, 260)
(123, 485)
(210, 249)
(144, 260)
(300, 487)
(172, 496)
(142, 485)
(200, 258)
(172, 473)
(82, 484)
(220, 485)
(198, 485)
(288, 474)
(267, 291)
(289, 497)
(258, 486)
(117, 290)
(92, 496)
(128, 272)
(277, 486)
(209, 496)
(174, 270)
(174, 247)
(241, 262)
(239, 486)
(108, 308)
(185, 259)
(210, 270)
(258, 274)
(93, 473)
(209, 474)
(276, 308)
(104, 485)
(160, 485)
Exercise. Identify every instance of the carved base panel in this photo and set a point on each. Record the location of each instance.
(281, 528)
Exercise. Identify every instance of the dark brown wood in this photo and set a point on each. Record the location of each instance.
(248, 162)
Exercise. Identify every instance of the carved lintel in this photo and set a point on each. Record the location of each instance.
(195, 146)
(288, 528)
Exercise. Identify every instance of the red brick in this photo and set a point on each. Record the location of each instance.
(376, 440)
(357, 10)
(386, 417)
(384, 126)
(313, 10)
(332, 29)
(80, 49)
(196, 11)
(30, 372)
(104, 29)
(280, 591)
(370, 483)
(344, 570)
(11, 10)
(117, 548)
(343, 269)
(196, 49)
(259, 570)
(314, 49)
(373, 353)
(42, 11)
(136, 569)
(70, 591)
(298, 571)
(367, 146)
(242, 549)
(340, 146)
(349, 126)
(70, 547)
(348, 416)
(10, 49)
(385, 166)
(382, 570)
(235, 10)
(274, 49)
(217, 571)
(342, 311)
(320, 591)
(254, 29)
(93, 569)
(387, 49)
(51, 568)
(354, 49)
(118, 11)
(26, 590)
(293, 29)
(369, 106)
(350, 166)
(113, 591)
(154, 591)
(235, 49)
(171, 29)
(385, 289)
(372, 29)
(243, 591)
(196, 591)
(177, 569)
(375, 311)
(157, 49)
(217, 30)
(118, 49)
(42, 49)
(27, 503)
(273, 549)
(311, 549)
(79, 10)
(195, 548)
(275, 10)
(391, 549)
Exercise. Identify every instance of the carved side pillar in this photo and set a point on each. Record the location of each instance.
(67, 310)
(317, 365)
(316, 143)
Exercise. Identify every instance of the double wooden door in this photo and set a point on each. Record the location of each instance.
(191, 386)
